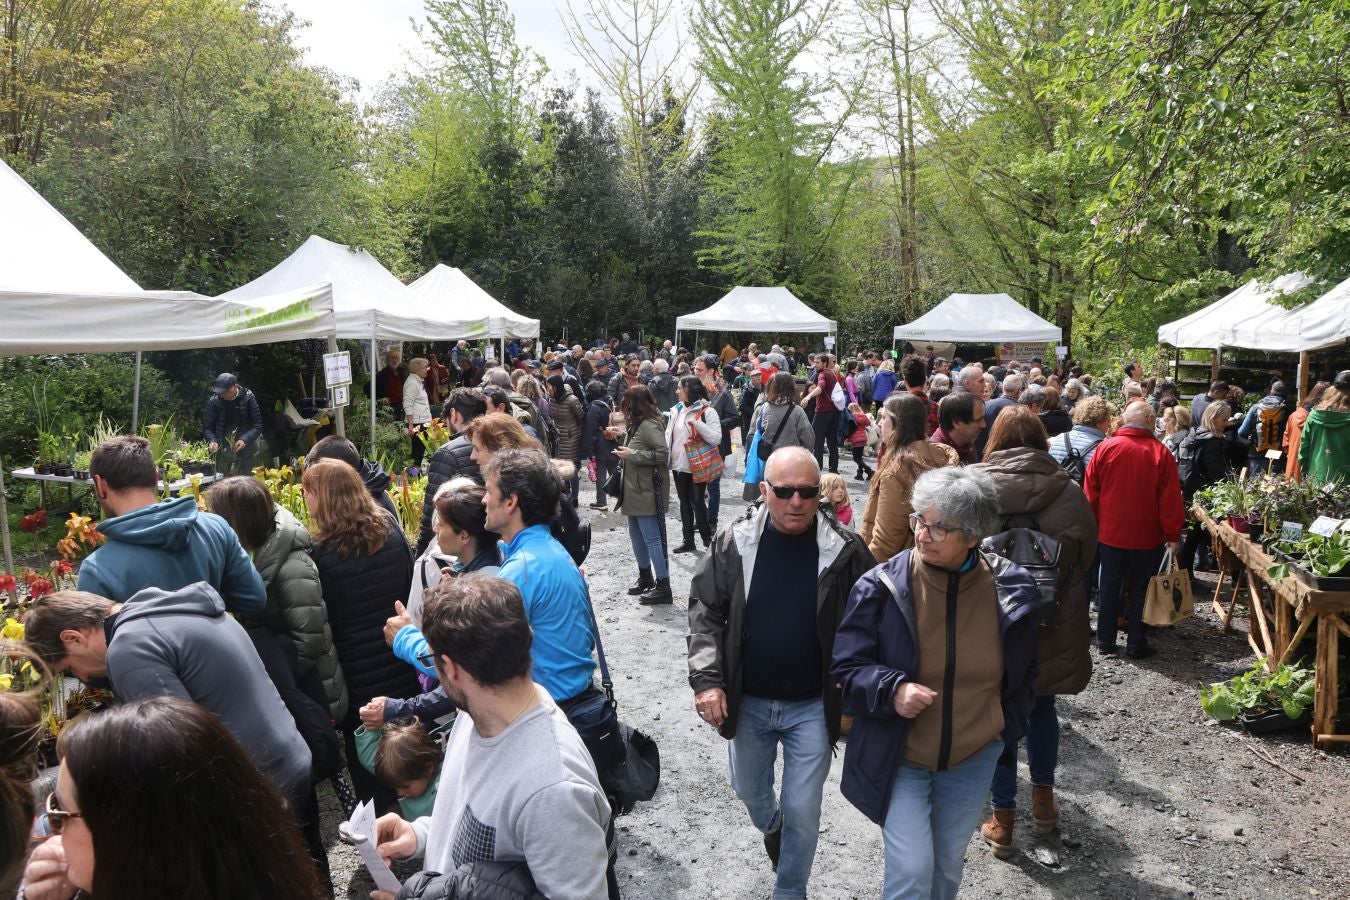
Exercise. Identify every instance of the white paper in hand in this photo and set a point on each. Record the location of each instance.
(360, 830)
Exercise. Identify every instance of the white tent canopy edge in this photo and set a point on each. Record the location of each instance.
(979, 319)
(768, 310)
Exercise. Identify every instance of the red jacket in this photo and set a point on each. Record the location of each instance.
(1135, 492)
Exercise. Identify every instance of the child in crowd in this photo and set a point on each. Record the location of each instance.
(834, 491)
(857, 441)
(406, 758)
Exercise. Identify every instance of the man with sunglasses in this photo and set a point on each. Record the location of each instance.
(759, 653)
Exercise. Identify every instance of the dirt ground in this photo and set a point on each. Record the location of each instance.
(1156, 801)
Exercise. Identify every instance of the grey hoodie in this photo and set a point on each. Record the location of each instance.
(182, 644)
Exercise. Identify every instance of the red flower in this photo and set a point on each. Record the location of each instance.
(61, 567)
(8, 583)
(39, 588)
(34, 522)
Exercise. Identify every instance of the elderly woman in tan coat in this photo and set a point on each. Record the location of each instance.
(905, 455)
(1035, 492)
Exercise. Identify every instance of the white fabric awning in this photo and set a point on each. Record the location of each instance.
(979, 319)
(1208, 328)
(1323, 323)
(768, 310)
(368, 301)
(449, 288)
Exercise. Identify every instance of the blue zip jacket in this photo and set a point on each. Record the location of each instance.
(883, 382)
(875, 651)
(555, 603)
(170, 545)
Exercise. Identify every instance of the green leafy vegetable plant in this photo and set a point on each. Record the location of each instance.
(1289, 688)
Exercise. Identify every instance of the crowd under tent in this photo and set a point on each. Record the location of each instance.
(763, 310)
(979, 319)
(449, 287)
(369, 302)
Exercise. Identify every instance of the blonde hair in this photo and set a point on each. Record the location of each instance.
(418, 364)
(1176, 418)
(828, 482)
(345, 515)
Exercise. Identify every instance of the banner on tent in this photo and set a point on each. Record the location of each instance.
(247, 318)
(1021, 351)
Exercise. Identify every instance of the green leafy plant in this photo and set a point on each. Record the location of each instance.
(1324, 557)
(163, 440)
(1289, 688)
(1227, 498)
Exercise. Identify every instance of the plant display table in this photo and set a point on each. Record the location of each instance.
(1275, 635)
(173, 486)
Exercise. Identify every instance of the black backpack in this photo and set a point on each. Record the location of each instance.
(568, 530)
(1038, 553)
(1188, 454)
(1075, 462)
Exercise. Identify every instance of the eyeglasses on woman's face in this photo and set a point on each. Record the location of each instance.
(56, 816)
(937, 533)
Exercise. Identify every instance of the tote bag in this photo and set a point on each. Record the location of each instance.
(1169, 597)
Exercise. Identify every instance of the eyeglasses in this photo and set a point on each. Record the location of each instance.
(785, 491)
(56, 816)
(428, 660)
(937, 533)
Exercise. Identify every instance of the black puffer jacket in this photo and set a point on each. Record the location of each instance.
(451, 460)
(725, 406)
(377, 482)
(474, 881)
(360, 592)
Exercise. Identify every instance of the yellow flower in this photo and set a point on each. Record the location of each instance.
(6, 680)
(13, 630)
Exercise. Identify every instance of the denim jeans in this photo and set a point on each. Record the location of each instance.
(800, 727)
(1120, 568)
(648, 537)
(929, 823)
(714, 502)
(1042, 740)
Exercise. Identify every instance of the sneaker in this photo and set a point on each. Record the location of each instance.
(773, 844)
(1106, 650)
(604, 507)
(1143, 652)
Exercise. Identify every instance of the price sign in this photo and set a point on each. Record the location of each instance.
(829, 342)
(1325, 525)
(1274, 454)
(490, 354)
(1061, 351)
(337, 369)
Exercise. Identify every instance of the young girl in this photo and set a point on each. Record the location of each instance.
(834, 491)
(857, 441)
(406, 758)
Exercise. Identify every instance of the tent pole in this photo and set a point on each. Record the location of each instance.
(1302, 375)
(1214, 366)
(4, 524)
(372, 390)
(341, 411)
(136, 398)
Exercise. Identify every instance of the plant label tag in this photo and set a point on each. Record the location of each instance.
(1274, 454)
(1325, 525)
(1291, 531)
(339, 395)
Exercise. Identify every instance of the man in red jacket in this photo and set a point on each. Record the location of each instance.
(1135, 492)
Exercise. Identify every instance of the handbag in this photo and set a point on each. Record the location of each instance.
(837, 397)
(705, 460)
(754, 464)
(765, 449)
(614, 483)
(1169, 597)
(629, 766)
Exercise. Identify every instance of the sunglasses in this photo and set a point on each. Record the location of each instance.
(56, 816)
(785, 491)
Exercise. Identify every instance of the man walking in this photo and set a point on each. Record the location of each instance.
(1135, 493)
(825, 423)
(759, 654)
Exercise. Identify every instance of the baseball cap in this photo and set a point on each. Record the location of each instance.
(554, 365)
(224, 381)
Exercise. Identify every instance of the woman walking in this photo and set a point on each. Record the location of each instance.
(779, 422)
(644, 456)
(937, 657)
(1035, 492)
(905, 455)
(692, 420)
(416, 407)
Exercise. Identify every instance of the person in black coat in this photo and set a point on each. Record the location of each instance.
(594, 443)
(453, 458)
(1209, 455)
(232, 411)
(365, 567)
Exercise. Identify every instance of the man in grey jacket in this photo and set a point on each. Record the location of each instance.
(763, 608)
(179, 644)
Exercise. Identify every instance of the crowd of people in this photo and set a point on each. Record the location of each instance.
(450, 680)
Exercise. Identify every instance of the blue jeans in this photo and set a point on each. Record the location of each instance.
(648, 537)
(1119, 567)
(1042, 755)
(714, 502)
(800, 727)
(929, 823)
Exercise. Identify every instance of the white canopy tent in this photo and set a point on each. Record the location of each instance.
(369, 303)
(1209, 328)
(1314, 326)
(458, 293)
(979, 319)
(60, 294)
(767, 310)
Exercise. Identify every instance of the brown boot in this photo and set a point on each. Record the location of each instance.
(845, 725)
(1044, 812)
(998, 833)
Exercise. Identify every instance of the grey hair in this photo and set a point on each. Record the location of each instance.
(645, 367)
(788, 454)
(939, 381)
(967, 381)
(498, 376)
(1073, 384)
(1034, 395)
(964, 498)
(660, 366)
(1012, 384)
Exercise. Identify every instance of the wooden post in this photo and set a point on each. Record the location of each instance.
(1326, 698)
(1214, 366)
(1302, 375)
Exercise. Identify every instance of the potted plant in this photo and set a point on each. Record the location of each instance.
(1262, 701)
(81, 463)
(49, 453)
(1322, 563)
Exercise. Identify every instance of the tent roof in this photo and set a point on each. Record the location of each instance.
(367, 299)
(41, 251)
(464, 299)
(1249, 303)
(766, 309)
(979, 319)
(1323, 323)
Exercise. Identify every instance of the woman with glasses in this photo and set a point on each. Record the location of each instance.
(937, 657)
(365, 567)
(905, 455)
(156, 799)
(1035, 492)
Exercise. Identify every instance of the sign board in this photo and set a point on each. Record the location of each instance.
(337, 369)
(1325, 526)
(829, 342)
(340, 395)
(1021, 351)
(490, 354)
(1061, 351)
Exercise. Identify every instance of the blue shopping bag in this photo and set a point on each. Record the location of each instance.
(754, 466)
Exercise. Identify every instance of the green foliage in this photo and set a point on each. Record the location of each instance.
(1289, 688)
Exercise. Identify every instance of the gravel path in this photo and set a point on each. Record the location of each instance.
(1156, 803)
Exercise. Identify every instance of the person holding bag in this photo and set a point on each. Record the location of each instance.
(778, 422)
(693, 426)
(643, 459)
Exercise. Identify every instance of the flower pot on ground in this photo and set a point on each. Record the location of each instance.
(1273, 720)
